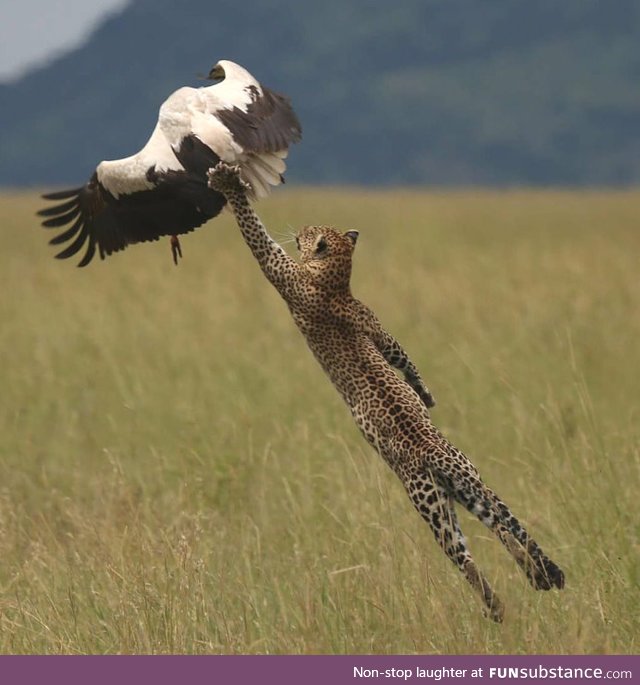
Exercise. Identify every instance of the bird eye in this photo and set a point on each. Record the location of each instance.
(321, 246)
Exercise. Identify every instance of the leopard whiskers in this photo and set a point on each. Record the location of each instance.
(287, 237)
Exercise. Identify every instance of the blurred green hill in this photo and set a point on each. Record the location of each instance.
(451, 92)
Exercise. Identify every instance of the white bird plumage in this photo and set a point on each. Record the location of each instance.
(162, 189)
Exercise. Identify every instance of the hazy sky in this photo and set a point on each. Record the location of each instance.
(34, 31)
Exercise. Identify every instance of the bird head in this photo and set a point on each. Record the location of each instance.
(228, 71)
(217, 73)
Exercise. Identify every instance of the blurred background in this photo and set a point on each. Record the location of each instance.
(455, 92)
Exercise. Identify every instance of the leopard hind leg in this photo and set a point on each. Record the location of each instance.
(436, 507)
(543, 574)
(474, 495)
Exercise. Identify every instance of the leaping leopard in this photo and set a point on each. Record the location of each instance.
(392, 413)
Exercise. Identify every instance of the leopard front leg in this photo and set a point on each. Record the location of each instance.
(395, 356)
(277, 266)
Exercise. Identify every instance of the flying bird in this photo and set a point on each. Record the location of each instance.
(162, 189)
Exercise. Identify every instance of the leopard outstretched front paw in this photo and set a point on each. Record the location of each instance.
(225, 178)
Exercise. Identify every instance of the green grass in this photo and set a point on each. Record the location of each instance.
(177, 475)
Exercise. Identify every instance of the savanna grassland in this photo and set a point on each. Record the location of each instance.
(177, 475)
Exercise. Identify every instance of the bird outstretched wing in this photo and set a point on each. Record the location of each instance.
(175, 203)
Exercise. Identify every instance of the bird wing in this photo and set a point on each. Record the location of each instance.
(175, 203)
(266, 124)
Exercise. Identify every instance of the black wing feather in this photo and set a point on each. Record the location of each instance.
(91, 250)
(66, 235)
(62, 219)
(268, 125)
(76, 245)
(57, 209)
(62, 194)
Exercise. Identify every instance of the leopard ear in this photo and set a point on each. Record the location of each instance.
(353, 236)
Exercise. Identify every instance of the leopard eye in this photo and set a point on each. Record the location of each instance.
(321, 246)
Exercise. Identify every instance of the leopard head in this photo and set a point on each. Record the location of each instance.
(325, 254)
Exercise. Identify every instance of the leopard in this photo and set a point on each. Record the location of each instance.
(384, 392)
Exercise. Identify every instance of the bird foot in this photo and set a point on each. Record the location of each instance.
(176, 249)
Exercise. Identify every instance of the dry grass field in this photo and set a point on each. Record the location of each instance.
(177, 475)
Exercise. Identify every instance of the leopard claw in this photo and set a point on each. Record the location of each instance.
(226, 177)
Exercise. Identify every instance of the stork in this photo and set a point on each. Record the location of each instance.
(162, 189)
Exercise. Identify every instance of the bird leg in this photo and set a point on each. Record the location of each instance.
(176, 250)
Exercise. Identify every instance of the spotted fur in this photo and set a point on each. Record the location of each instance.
(392, 413)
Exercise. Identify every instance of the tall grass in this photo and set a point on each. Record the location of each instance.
(176, 474)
